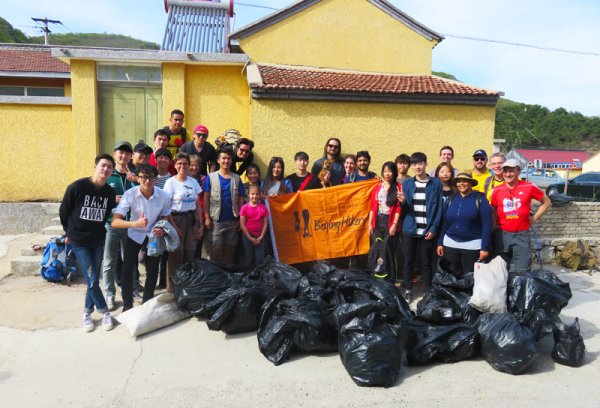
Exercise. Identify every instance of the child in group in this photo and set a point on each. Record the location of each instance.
(384, 223)
(253, 223)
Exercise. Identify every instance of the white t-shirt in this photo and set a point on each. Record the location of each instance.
(183, 193)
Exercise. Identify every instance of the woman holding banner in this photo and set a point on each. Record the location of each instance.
(384, 223)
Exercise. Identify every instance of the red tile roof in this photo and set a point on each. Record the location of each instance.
(554, 156)
(31, 60)
(315, 79)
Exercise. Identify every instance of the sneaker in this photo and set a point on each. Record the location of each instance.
(88, 323)
(408, 296)
(139, 287)
(107, 322)
(110, 303)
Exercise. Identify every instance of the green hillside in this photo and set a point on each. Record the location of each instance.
(8, 34)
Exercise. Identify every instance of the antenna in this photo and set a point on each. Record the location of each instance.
(45, 28)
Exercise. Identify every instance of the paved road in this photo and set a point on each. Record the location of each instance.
(46, 360)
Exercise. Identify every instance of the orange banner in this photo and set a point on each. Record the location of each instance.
(321, 224)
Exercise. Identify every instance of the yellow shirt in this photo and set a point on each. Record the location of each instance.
(480, 181)
(493, 184)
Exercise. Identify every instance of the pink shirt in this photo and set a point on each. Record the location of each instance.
(254, 217)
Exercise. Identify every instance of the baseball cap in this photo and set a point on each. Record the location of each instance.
(201, 129)
(480, 153)
(124, 146)
(163, 152)
(142, 147)
(511, 163)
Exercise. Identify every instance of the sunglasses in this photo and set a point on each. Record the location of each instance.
(479, 159)
(333, 146)
(203, 135)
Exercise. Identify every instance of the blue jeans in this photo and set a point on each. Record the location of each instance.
(114, 248)
(90, 259)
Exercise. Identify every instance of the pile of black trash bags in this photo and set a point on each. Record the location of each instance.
(368, 322)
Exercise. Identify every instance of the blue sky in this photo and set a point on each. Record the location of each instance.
(552, 79)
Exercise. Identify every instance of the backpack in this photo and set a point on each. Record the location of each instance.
(56, 265)
(228, 138)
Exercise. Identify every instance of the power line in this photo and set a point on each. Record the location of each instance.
(254, 5)
(538, 47)
(44, 21)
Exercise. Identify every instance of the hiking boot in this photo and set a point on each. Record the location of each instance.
(408, 296)
(88, 323)
(110, 303)
(107, 322)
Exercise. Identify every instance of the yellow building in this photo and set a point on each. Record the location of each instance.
(359, 70)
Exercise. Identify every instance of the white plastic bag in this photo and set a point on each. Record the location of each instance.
(158, 312)
(489, 290)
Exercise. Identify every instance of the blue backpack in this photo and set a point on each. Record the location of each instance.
(56, 265)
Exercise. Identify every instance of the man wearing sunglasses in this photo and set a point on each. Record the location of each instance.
(331, 151)
(202, 147)
(480, 171)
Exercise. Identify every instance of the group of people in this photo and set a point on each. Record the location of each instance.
(192, 191)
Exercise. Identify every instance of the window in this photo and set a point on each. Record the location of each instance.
(129, 73)
(31, 91)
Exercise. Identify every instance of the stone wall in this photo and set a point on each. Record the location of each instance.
(20, 218)
(576, 220)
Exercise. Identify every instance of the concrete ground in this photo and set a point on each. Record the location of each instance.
(46, 360)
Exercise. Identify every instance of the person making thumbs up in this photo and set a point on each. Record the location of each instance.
(147, 205)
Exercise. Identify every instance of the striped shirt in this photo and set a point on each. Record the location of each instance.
(161, 180)
(419, 207)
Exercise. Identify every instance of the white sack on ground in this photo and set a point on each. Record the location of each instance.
(158, 312)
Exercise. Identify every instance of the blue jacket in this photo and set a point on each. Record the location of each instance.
(433, 205)
(463, 221)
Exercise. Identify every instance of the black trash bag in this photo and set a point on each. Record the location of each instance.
(281, 278)
(537, 290)
(448, 300)
(358, 286)
(237, 310)
(560, 199)
(506, 345)
(197, 283)
(436, 308)
(463, 283)
(449, 343)
(569, 348)
(371, 349)
(289, 324)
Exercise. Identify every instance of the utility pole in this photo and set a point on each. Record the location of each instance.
(45, 28)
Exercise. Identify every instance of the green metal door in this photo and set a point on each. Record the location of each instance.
(128, 113)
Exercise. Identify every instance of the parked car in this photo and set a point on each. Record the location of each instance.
(544, 177)
(585, 187)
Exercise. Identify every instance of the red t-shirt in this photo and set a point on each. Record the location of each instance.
(513, 206)
(254, 217)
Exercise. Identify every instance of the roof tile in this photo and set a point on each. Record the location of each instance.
(31, 61)
(316, 79)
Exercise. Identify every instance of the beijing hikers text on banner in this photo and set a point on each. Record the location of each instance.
(321, 224)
